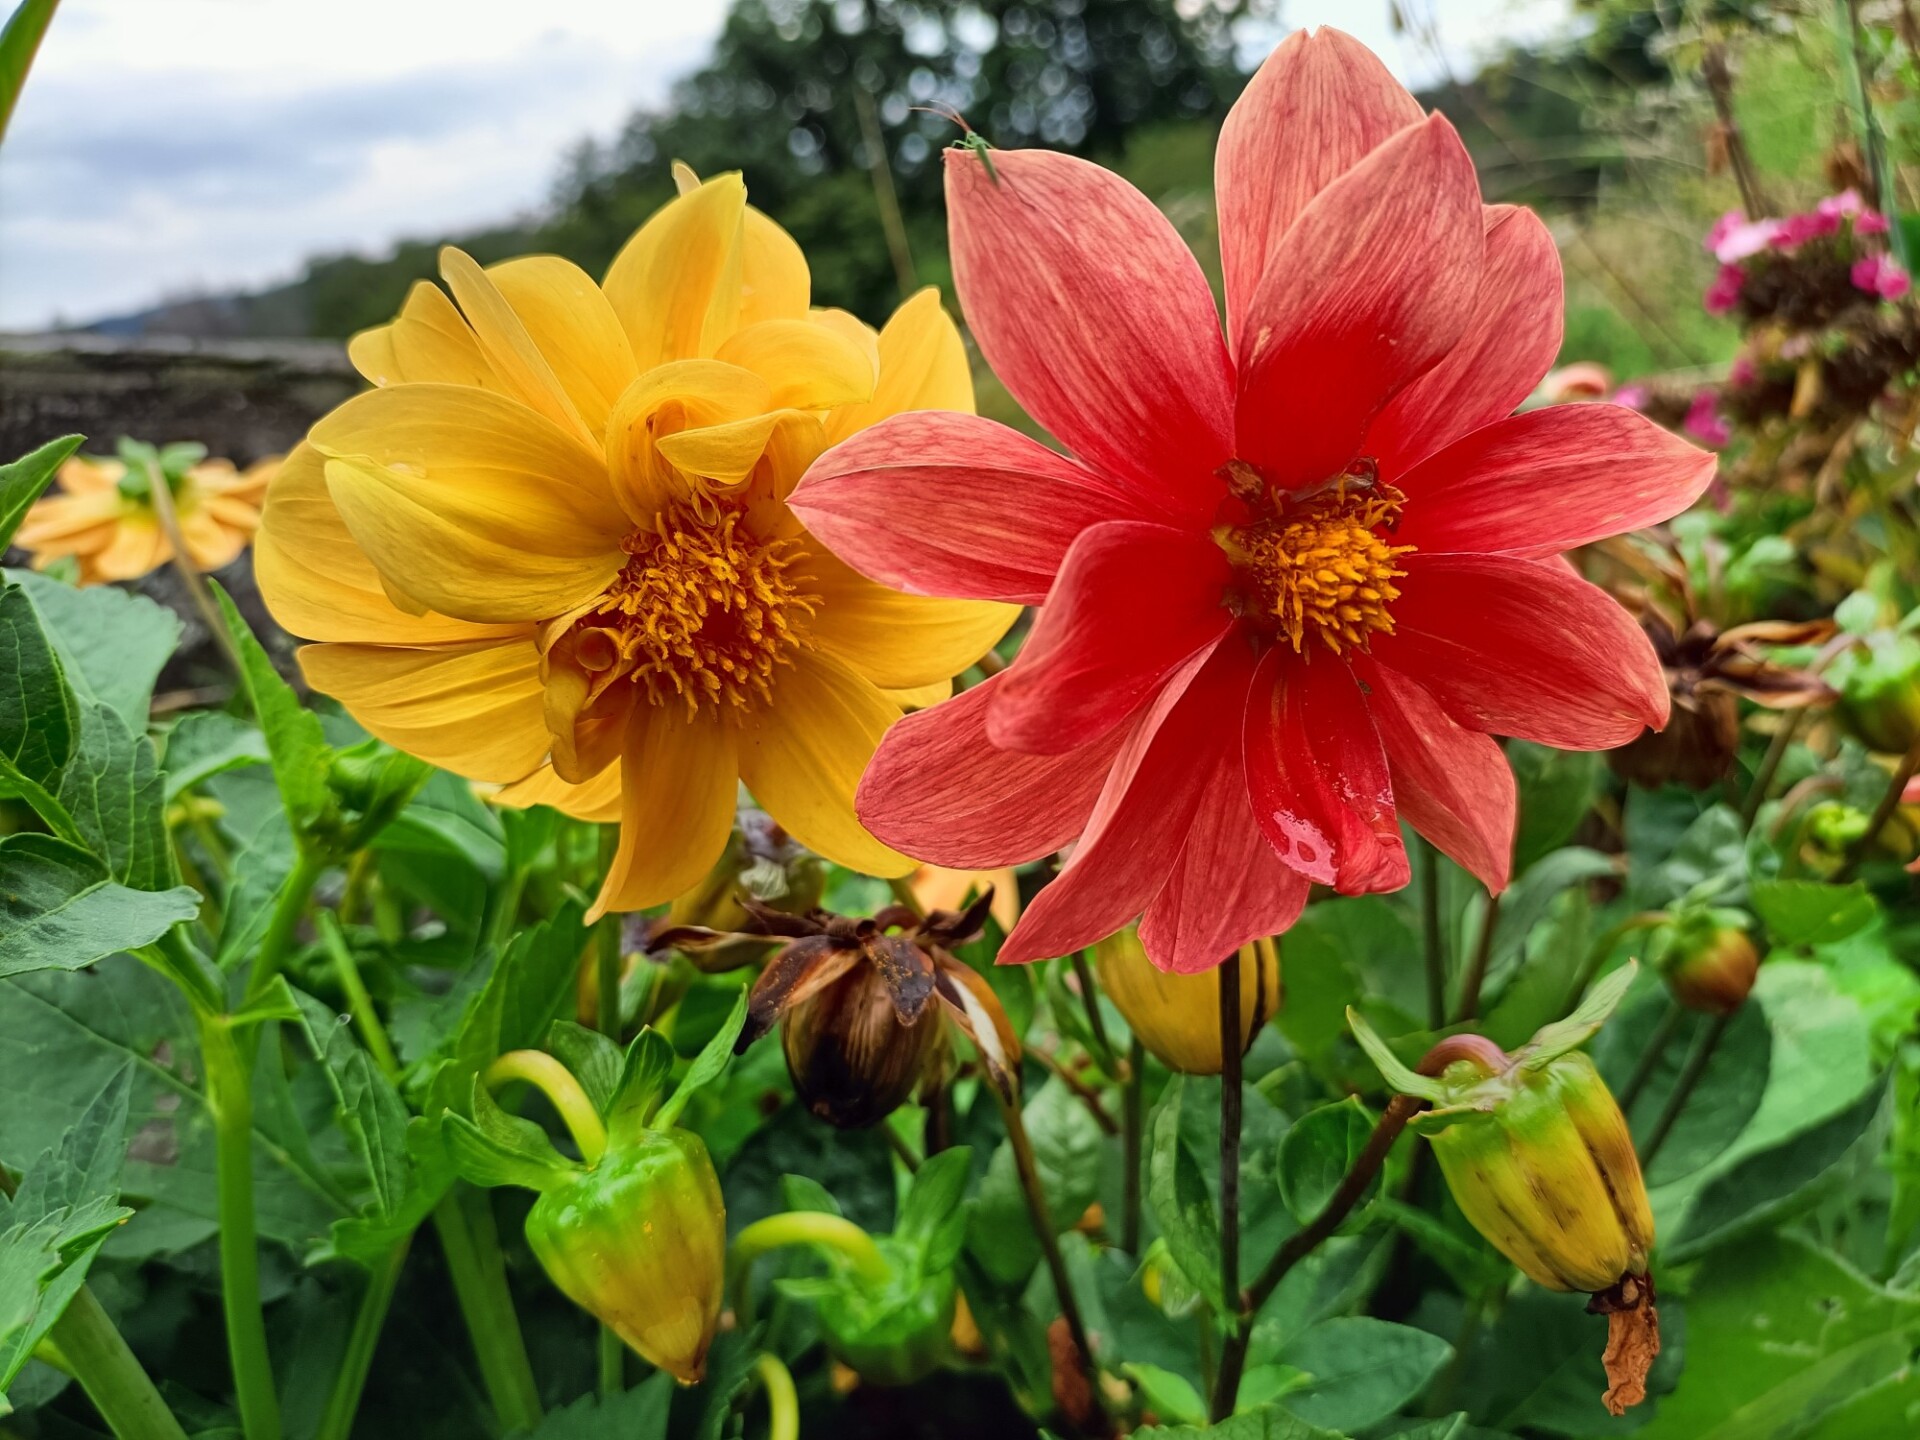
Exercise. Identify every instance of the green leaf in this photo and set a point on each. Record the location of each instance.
(1555, 789)
(1786, 1341)
(803, 1192)
(1399, 1076)
(206, 743)
(116, 795)
(372, 1115)
(707, 1065)
(938, 1190)
(301, 755)
(1807, 912)
(1318, 1150)
(1725, 1098)
(64, 1033)
(66, 1206)
(495, 1148)
(636, 1414)
(1177, 1193)
(37, 714)
(1362, 1370)
(22, 481)
(1766, 1189)
(1267, 1423)
(643, 1080)
(112, 643)
(1528, 900)
(595, 1060)
(60, 910)
(1170, 1396)
(1550, 1042)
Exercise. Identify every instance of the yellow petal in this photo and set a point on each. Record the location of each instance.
(851, 326)
(806, 366)
(921, 697)
(803, 754)
(138, 546)
(676, 284)
(668, 399)
(598, 799)
(678, 779)
(473, 709)
(923, 366)
(509, 347)
(575, 329)
(774, 281)
(319, 584)
(899, 641)
(427, 343)
(724, 454)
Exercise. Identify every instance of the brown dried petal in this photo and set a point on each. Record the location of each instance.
(950, 927)
(977, 1011)
(907, 972)
(804, 968)
(1633, 1340)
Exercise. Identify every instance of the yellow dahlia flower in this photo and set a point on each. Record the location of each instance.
(553, 549)
(104, 518)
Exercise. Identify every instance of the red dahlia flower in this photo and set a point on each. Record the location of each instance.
(1294, 577)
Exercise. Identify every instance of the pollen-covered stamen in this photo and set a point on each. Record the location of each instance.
(704, 612)
(1315, 566)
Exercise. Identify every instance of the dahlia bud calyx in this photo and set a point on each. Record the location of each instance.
(1540, 1161)
(1177, 1017)
(1708, 960)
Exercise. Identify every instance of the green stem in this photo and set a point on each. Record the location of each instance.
(1226, 1390)
(1650, 1057)
(107, 1370)
(288, 909)
(480, 1284)
(343, 1403)
(365, 1018)
(229, 1063)
(1435, 950)
(1882, 813)
(1769, 767)
(1027, 1167)
(802, 1227)
(557, 1083)
(1090, 998)
(783, 1401)
(1690, 1073)
(606, 944)
(1476, 975)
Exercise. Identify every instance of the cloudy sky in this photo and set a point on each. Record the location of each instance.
(164, 147)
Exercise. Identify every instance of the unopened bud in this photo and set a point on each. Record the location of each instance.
(1177, 1017)
(640, 1243)
(1711, 967)
(1879, 685)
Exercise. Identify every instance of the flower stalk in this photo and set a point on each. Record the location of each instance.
(1233, 1358)
(97, 1356)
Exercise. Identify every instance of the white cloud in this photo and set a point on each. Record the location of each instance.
(167, 146)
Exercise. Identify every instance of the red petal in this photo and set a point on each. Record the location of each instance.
(1451, 784)
(1312, 111)
(1549, 480)
(936, 503)
(1375, 282)
(1522, 648)
(1317, 775)
(939, 790)
(1093, 312)
(1227, 886)
(1511, 341)
(1133, 603)
(1141, 820)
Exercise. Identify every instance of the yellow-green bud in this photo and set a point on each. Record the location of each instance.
(639, 1242)
(1177, 1017)
(1712, 969)
(1879, 685)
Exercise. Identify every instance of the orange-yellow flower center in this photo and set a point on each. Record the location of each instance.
(1315, 566)
(703, 613)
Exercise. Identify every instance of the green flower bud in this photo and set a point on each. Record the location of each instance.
(639, 1242)
(1177, 1017)
(1879, 685)
(897, 1333)
(1709, 963)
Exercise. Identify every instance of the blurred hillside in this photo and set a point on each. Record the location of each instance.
(1608, 132)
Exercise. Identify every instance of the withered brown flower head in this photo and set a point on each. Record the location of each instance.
(862, 1003)
(1707, 669)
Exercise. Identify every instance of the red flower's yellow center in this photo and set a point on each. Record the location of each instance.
(1313, 566)
(703, 613)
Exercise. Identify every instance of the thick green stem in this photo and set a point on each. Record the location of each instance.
(288, 909)
(351, 1381)
(229, 1063)
(1435, 945)
(480, 1284)
(1226, 1390)
(99, 1359)
(802, 1227)
(606, 943)
(783, 1401)
(557, 1083)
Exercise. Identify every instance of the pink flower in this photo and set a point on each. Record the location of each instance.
(1724, 293)
(1705, 423)
(1847, 202)
(1881, 275)
(1720, 230)
(1749, 237)
(1870, 222)
(1633, 396)
(1796, 230)
(1294, 577)
(1743, 371)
